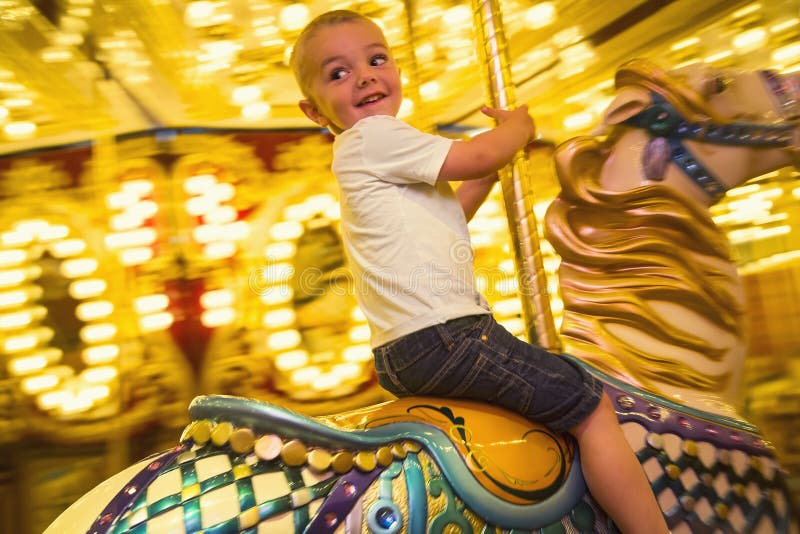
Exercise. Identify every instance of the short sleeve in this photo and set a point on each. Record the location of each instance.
(399, 153)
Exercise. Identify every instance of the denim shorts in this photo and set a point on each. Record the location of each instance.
(475, 358)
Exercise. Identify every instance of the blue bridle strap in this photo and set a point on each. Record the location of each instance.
(661, 119)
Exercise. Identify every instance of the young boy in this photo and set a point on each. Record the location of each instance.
(405, 234)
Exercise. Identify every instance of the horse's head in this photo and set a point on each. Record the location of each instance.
(703, 130)
(651, 294)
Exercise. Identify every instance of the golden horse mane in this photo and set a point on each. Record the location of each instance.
(621, 251)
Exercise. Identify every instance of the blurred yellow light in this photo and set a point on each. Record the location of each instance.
(19, 129)
(97, 375)
(752, 8)
(685, 43)
(94, 393)
(11, 321)
(293, 17)
(53, 232)
(406, 107)
(221, 192)
(52, 399)
(39, 383)
(578, 121)
(278, 294)
(786, 54)
(98, 333)
(784, 25)
(429, 90)
(155, 322)
(506, 286)
(220, 215)
(237, 231)
(100, 354)
(217, 317)
(140, 187)
(357, 353)
(359, 333)
(199, 183)
(78, 267)
(540, 15)
(12, 277)
(131, 238)
(305, 375)
(135, 256)
(246, 94)
(515, 326)
(20, 343)
(718, 56)
(200, 205)
(150, 303)
(567, 36)
(199, 13)
(507, 307)
(286, 361)
(83, 289)
(89, 311)
(121, 199)
(284, 340)
(281, 250)
(72, 404)
(219, 250)
(144, 209)
(286, 230)
(326, 381)
(10, 299)
(67, 247)
(206, 233)
(217, 298)
(274, 273)
(347, 371)
(15, 238)
(357, 315)
(256, 111)
(124, 221)
(12, 257)
(27, 365)
(750, 39)
(279, 318)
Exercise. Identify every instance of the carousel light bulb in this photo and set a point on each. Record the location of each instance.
(246, 94)
(16, 238)
(98, 333)
(750, 39)
(131, 238)
(12, 277)
(305, 375)
(200, 205)
(272, 295)
(221, 192)
(406, 107)
(143, 210)
(326, 381)
(90, 311)
(217, 298)
(357, 315)
(53, 232)
(217, 317)
(286, 361)
(280, 318)
(100, 354)
(786, 54)
(39, 383)
(83, 289)
(52, 399)
(135, 256)
(219, 250)
(281, 250)
(26, 365)
(284, 340)
(66, 248)
(540, 15)
(94, 393)
(150, 303)
(784, 25)
(73, 404)
(359, 333)
(99, 375)
(347, 371)
(11, 299)
(124, 221)
(578, 121)
(12, 257)
(199, 183)
(221, 215)
(156, 322)
(140, 187)
(429, 90)
(459, 16)
(255, 111)
(357, 353)
(285, 230)
(293, 17)
(121, 199)
(237, 231)
(684, 43)
(15, 320)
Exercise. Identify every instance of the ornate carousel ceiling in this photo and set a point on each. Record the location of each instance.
(73, 70)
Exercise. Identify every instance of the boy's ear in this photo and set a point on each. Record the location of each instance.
(312, 113)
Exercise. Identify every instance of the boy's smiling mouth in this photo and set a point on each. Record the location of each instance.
(370, 99)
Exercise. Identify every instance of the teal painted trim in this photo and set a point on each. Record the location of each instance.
(417, 495)
(732, 422)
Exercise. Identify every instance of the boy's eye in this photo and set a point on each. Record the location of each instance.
(337, 74)
(378, 60)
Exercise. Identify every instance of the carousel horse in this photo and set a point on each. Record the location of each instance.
(445, 465)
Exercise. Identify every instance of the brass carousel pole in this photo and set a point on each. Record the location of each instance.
(515, 180)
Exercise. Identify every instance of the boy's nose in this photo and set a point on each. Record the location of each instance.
(366, 79)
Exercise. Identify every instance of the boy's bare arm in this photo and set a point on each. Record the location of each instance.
(488, 152)
(472, 193)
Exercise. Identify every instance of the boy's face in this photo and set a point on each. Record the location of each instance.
(352, 75)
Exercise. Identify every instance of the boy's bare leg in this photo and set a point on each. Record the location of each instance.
(614, 475)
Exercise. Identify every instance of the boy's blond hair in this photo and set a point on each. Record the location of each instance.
(297, 61)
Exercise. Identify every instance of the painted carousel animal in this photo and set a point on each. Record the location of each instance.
(652, 307)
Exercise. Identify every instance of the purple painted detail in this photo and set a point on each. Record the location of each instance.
(125, 498)
(662, 418)
(340, 501)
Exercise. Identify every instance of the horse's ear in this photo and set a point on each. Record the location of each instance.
(628, 102)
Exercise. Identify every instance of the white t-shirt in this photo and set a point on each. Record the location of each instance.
(404, 233)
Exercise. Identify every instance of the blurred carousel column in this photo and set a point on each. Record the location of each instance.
(515, 180)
